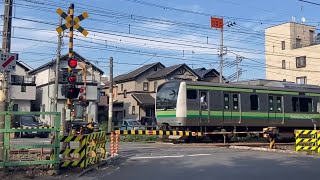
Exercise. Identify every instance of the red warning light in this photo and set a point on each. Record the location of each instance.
(81, 90)
(72, 63)
(72, 79)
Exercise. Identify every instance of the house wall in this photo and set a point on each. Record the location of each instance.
(23, 105)
(274, 54)
(17, 94)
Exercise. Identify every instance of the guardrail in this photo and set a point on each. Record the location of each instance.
(7, 146)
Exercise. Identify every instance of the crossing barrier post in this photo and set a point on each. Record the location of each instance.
(112, 144)
(117, 144)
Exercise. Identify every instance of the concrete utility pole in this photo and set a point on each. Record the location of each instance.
(110, 96)
(56, 81)
(221, 55)
(6, 46)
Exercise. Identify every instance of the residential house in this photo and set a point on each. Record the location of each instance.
(22, 88)
(137, 88)
(45, 76)
(292, 53)
(208, 75)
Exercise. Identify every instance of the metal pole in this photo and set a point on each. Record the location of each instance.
(70, 55)
(56, 81)
(6, 46)
(221, 55)
(110, 96)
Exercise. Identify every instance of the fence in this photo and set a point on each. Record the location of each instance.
(307, 140)
(92, 149)
(7, 146)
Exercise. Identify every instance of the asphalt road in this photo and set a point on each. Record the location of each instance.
(158, 161)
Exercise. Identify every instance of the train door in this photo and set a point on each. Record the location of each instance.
(275, 112)
(204, 108)
(231, 109)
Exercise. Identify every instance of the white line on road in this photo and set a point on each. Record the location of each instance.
(155, 157)
(160, 157)
(194, 155)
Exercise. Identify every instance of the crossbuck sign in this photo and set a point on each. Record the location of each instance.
(8, 61)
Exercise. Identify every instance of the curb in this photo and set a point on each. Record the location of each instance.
(267, 150)
(109, 160)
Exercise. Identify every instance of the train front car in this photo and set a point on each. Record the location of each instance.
(171, 104)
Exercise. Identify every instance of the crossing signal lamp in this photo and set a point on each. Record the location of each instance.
(73, 93)
(72, 63)
(72, 79)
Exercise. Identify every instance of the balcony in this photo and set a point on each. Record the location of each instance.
(22, 80)
(315, 41)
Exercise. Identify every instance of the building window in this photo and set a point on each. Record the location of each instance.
(133, 110)
(145, 86)
(283, 64)
(155, 86)
(23, 88)
(125, 94)
(15, 107)
(311, 34)
(301, 80)
(155, 68)
(301, 61)
(283, 45)
(121, 87)
(298, 43)
(124, 113)
(254, 100)
(191, 94)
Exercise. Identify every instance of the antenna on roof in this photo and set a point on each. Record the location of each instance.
(293, 19)
(303, 19)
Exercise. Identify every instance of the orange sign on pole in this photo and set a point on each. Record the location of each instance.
(216, 23)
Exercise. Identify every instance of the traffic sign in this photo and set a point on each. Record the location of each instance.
(72, 22)
(216, 22)
(8, 61)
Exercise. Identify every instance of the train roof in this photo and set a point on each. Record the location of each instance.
(270, 85)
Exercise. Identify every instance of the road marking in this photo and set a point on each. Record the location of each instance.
(160, 157)
(155, 157)
(194, 155)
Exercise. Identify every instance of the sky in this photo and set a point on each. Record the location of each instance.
(138, 32)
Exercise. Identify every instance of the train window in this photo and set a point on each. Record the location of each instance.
(191, 94)
(279, 104)
(254, 100)
(302, 104)
(271, 103)
(226, 101)
(295, 104)
(235, 101)
(305, 104)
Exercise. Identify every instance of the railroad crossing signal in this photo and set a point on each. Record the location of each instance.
(72, 22)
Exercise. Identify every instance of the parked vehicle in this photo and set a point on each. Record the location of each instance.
(130, 124)
(27, 122)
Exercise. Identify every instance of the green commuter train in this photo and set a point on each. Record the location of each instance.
(204, 106)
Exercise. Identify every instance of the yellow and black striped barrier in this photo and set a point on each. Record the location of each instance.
(92, 149)
(158, 132)
(307, 140)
